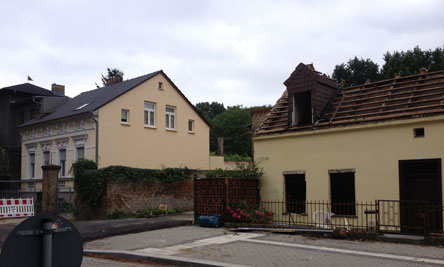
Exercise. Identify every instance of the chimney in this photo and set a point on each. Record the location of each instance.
(116, 79)
(58, 89)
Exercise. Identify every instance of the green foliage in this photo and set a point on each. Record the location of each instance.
(241, 172)
(64, 206)
(232, 125)
(117, 214)
(209, 111)
(411, 61)
(111, 74)
(237, 157)
(356, 71)
(90, 182)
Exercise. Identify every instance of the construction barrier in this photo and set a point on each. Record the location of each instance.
(22, 207)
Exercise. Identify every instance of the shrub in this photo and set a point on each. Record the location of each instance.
(246, 213)
(117, 214)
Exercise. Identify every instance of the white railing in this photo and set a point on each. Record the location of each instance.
(12, 208)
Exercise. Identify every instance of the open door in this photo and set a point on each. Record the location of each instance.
(420, 192)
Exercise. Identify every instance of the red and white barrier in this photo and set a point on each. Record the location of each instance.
(22, 207)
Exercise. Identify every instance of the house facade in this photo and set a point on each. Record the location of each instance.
(145, 122)
(18, 105)
(376, 141)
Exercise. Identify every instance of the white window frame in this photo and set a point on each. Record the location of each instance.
(170, 116)
(127, 113)
(192, 126)
(43, 157)
(62, 166)
(77, 152)
(147, 111)
(31, 165)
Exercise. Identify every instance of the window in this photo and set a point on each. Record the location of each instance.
(150, 114)
(302, 110)
(191, 126)
(33, 113)
(125, 116)
(418, 132)
(21, 117)
(31, 165)
(80, 152)
(170, 113)
(295, 192)
(161, 85)
(62, 157)
(46, 157)
(342, 189)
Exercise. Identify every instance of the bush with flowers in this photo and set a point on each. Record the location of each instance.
(242, 212)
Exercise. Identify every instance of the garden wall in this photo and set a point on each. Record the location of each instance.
(130, 197)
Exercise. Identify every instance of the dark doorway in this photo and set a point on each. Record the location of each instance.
(295, 193)
(420, 192)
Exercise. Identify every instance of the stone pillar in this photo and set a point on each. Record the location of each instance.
(50, 188)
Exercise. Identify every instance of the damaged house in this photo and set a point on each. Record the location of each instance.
(376, 141)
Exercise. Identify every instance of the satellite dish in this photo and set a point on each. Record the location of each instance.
(45, 240)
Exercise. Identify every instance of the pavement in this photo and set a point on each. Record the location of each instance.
(174, 241)
(96, 229)
(195, 246)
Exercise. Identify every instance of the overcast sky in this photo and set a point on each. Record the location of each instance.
(234, 52)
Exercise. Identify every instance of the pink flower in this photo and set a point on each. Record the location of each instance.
(270, 222)
(270, 213)
(257, 212)
(262, 219)
(238, 210)
(238, 217)
(263, 207)
(234, 215)
(231, 211)
(248, 216)
(241, 213)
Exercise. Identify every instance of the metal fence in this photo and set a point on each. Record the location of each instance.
(412, 217)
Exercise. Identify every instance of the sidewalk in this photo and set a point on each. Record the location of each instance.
(91, 230)
(196, 246)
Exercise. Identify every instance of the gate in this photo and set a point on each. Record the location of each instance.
(213, 195)
(410, 217)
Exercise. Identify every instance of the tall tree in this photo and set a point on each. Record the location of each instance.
(210, 111)
(232, 125)
(411, 61)
(111, 75)
(356, 71)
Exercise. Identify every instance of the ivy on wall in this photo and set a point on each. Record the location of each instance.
(241, 172)
(90, 182)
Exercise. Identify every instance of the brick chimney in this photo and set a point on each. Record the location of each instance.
(58, 89)
(116, 79)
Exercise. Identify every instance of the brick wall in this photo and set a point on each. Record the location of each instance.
(141, 195)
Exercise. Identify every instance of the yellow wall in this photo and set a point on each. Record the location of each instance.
(372, 150)
(138, 146)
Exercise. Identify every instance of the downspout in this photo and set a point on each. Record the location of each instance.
(91, 115)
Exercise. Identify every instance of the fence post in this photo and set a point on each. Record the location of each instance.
(377, 215)
(426, 219)
(50, 188)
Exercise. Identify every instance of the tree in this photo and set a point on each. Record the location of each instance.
(111, 76)
(210, 111)
(356, 71)
(232, 125)
(410, 62)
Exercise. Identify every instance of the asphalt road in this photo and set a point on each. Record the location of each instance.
(96, 262)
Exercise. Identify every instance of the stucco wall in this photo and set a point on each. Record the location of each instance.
(35, 137)
(372, 150)
(135, 145)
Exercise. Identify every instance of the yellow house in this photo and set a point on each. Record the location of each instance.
(145, 122)
(377, 141)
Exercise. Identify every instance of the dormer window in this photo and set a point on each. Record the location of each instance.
(302, 110)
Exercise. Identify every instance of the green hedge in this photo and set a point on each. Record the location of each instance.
(90, 182)
(241, 172)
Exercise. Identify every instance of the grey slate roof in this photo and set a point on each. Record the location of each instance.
(29, 89)
(94, 98)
